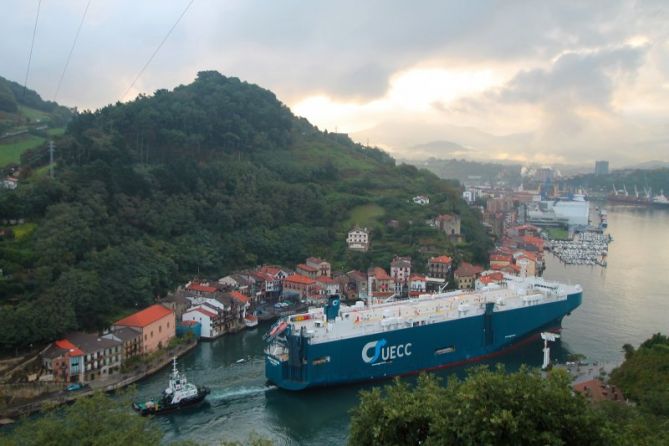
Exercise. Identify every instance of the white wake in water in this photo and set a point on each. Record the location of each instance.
(237, 393)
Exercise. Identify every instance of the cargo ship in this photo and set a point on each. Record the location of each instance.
(339, 344)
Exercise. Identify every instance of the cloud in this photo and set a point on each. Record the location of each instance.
(530, 80)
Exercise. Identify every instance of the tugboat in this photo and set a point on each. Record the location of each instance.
(178, 394)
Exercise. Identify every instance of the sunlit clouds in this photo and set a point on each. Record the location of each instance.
(543, 82)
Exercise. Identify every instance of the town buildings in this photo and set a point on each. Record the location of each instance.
(439, 267)
(157, 324)
(64, 362)
(130, 339)
(323, 268)
(101, 356)
(466, 274)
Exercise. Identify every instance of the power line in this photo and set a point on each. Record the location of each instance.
(69, 56)
(157, 49)
(32, 44)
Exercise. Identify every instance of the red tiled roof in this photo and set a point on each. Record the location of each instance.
(417, 277)
(467, 269)
(205, 312)
(500, 258)
(381, 274)
(446, 217)
(299, 279)
(201, 288)
(305, 267)
(314, 260)
(325, 279)
(489, 277)
(441, 259)
(70, 347)
(239, 297)
(272, 270)
(145, 317)
(263, 276)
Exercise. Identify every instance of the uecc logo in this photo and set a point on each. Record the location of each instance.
(383, 352)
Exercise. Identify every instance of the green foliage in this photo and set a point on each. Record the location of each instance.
(488, 407)
(96, 420)
(211, 177)
(7, 99)
(644, 376)
(10, 152)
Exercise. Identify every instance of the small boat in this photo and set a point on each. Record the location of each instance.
(251, 321)
(178, 394)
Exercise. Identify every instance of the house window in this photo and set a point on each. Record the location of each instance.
(160, 329)
(146, 337)
(152, 333)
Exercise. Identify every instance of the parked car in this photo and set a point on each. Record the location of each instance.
(74, 387)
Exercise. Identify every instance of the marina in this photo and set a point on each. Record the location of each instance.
(587, 248)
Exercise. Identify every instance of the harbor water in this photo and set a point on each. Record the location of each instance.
(623, 303)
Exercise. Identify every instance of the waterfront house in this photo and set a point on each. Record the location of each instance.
(208, 318)
(157, 324)
(466, 274)
(64, 362)
(324, 268)
(439, 267)
(130, 339)
(300, 284)
(102, 357)
(358, 239)
(265, 285)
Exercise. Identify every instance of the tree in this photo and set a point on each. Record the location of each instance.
(488, 407)
(98, 420)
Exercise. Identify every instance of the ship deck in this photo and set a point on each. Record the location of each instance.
(360, 320)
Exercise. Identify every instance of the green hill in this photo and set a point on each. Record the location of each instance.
(26, 122)
(212, 177)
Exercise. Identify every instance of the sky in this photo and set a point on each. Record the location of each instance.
(546, 82)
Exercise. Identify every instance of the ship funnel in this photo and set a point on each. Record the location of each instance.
(332, 308)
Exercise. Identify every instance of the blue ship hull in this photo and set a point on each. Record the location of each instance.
(409, 350)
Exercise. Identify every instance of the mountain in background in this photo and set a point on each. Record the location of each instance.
(208, 178)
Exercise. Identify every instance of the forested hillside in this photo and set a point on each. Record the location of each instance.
(211, 177)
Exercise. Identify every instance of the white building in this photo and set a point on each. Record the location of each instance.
(207, 319)
(421, 200)
(400, 269)
(358, 239)
(328, 285)
(417, 283)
